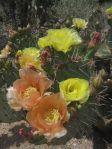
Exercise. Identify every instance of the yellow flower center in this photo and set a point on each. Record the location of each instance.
(29, 92)
(71, 88)
(53, 116)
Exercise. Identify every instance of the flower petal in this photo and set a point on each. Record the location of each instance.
(31, 101)
(44, 84)
(75, 89)
(31, 76)
(12, 101)
(20, 85)
(54, 101)
(58, 133)
(29, 57)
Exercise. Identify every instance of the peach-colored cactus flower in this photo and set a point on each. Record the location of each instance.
(49, 116)
(28, 90)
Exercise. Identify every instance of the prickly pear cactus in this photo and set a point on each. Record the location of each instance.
(80, 62)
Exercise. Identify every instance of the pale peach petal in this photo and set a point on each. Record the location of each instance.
(57, 133)
(20, 85)
(31, 101)
(44, 84)
(30, 76)
(11, 93)
(12, 100)
(14, 105)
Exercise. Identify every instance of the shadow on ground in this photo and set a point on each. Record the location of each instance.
(13, 137)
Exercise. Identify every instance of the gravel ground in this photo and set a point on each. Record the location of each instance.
(10, 139)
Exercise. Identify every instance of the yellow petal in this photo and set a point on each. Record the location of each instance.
(63, 39)
(29, 57)
(75, 89)
(60, 39)
(80, 23)
(44, 42)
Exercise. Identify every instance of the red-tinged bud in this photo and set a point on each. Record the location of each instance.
(96, 38)
(23, 133)
(45, 55)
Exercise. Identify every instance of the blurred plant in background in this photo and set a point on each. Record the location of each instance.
(73, 9)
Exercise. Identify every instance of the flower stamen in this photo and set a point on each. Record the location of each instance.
(29, 92)
(53, 116)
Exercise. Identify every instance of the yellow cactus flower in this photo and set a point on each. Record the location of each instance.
(63, 39)
(60, 39)
(44, 42)
(79, 23)
(29, 57)
(109, 11)
(75, 89)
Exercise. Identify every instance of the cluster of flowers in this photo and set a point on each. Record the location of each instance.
(47, 111)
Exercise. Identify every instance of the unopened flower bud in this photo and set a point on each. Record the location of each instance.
(45, 55)
(23, 133)
(97, 81)
(96, 38)
(92, 90)
(102, 73)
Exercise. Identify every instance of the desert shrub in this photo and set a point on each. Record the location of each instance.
(73, 8)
